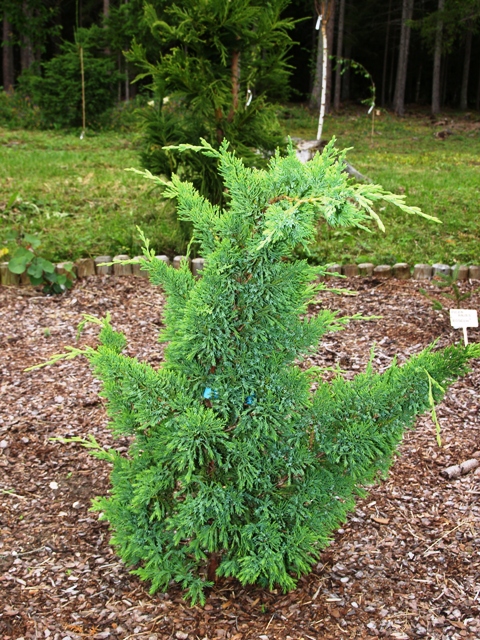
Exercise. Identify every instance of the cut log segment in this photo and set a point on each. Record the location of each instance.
(7, 277)
(458, 470)
(198, 265)
(462, 272)
(474, 272)
(178, 259)
(350, 270)
(422, 271)
(137, 270)
(441, 270)
(366, 269)
(122, 269)
(85, 267)
(401, 271)
(334, 270)
(104, 270)
(383, 271)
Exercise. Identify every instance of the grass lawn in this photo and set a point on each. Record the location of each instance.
(440, 175)
(78, 196)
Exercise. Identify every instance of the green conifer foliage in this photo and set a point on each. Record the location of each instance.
(215, 68)
(236, 467)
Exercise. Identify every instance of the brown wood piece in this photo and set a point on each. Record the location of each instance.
(462, 469)
(213, 563)
(235, 84)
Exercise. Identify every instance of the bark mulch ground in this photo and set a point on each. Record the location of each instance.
(406, 564)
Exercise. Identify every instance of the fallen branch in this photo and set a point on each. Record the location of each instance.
(458, 470)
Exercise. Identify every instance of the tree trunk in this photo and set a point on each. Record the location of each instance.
(445, 78)
(7, 48)
(119, 82)
(338, 75)
(466, 70)
(323, 68)
(418, 87)
(391, 81)
(26, 49)
(106, 13)
(26, 54)
(399, 97)
(317, 82)
(348, 73)
(127, 83)
(477, 100)
(212, 567)
(385, 54)
(235, 83)
(437, 58)
(330, 33)
(324, 81)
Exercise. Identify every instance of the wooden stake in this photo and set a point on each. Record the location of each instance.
(82, 73)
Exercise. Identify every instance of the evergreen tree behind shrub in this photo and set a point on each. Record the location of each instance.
(58, 91)
(216, 69)
(236, 468)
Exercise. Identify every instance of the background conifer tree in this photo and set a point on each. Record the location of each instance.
(218, 63)
(236, 468)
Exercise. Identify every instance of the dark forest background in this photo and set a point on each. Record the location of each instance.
(431, 47)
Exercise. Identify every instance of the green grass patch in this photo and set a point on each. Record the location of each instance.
(77, 195)
(441, 175)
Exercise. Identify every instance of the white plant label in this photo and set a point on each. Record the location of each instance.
(463, 319)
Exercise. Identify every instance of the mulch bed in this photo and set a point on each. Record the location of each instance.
(406, 564)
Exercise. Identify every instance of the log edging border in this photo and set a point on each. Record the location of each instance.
(85, 267)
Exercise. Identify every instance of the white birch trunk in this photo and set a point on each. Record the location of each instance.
(323, 97)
